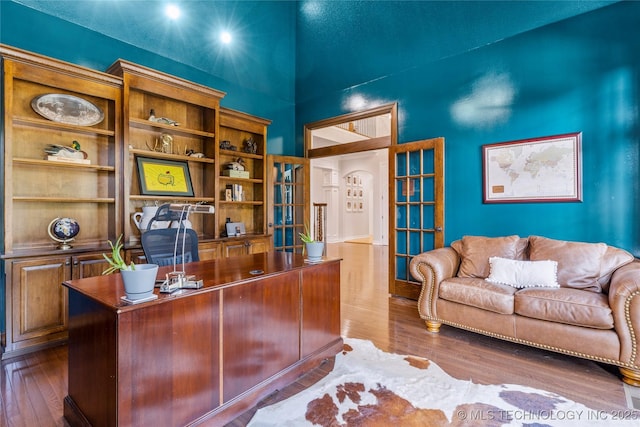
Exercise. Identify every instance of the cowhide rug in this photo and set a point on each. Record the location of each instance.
(369, 387)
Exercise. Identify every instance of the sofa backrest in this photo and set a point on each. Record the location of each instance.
(587, 266)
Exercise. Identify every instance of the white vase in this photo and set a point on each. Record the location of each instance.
(141, 219)
(139, 283)
(314, 250)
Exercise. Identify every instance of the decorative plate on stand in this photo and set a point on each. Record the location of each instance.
(67, 109)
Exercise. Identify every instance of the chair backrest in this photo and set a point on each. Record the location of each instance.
(159, 245)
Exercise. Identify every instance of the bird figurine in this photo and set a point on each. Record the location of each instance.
(162, 120)
(72, 152)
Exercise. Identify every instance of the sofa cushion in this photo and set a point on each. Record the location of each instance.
(478, 293)
(578, 262)
(565, 305)
(523, 274)
(475, 251)
(612, 260)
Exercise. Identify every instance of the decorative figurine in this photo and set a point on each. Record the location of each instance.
(237, 165)
(161, 120)
(250, 146)
(192, 153)
(164, 144)
(65, 152)
(226, 145)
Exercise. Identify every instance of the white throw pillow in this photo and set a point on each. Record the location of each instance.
(523, 274)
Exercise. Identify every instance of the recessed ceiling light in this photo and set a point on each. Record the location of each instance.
(225, 37)
(173, 11)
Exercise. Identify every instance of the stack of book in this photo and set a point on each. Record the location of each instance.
(234, 193)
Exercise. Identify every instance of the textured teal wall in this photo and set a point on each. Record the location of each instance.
(251, 91)
(579, 74)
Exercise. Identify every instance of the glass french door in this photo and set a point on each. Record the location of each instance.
(288, 210)
(416, 217)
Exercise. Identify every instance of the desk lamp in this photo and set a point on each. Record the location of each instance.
(177, 280)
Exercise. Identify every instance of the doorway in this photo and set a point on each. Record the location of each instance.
(413, 208)
(349, 172)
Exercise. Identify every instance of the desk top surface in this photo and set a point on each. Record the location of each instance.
(216, 274)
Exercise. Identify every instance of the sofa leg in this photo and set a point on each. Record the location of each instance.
(433, 326)
(630, 376)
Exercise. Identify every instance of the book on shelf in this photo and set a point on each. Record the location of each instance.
(233, 193)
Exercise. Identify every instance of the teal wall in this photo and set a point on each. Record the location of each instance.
(263, 89)
(575, 75)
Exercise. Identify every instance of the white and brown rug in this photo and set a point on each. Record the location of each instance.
(369, 387)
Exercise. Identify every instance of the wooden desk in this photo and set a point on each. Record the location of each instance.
(204, 356)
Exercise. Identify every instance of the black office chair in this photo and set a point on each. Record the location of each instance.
(159, 246)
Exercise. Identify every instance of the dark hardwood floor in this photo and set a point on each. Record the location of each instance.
(33, 386)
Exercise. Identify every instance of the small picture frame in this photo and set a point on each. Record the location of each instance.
(348, 206)
(159, 177)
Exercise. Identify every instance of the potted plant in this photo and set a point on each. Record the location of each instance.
(313, 248)
(139, 280)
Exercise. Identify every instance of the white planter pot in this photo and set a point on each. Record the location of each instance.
(139, 283)
(314, 250)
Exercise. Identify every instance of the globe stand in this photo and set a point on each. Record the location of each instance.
(64, 242)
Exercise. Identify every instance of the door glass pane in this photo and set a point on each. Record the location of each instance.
(288, 236)
(427, 188)
(414, 163)
(278, 172)
(414, 243)
(401, 165)
(428, 241)
(414, 190)
(401, 190)
(277, 237)
(414, 216)
(401, 268)
(428, 216)
(428, 162)
(401, 216)
(401, 242)
(277, 215)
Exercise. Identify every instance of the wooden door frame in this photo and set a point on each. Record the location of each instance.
(352, 147)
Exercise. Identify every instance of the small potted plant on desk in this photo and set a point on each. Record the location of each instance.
(314, 248)
(139, 280)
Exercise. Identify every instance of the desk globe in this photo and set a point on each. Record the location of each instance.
(63, 231)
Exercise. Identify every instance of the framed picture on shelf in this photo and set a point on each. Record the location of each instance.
(160, 177)
(546, 169)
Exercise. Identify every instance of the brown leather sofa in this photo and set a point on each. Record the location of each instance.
(576, 298)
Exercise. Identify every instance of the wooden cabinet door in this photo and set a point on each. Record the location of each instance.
(259, 245)
(38, 301)
(234, 248)
(208, 251)
(90, 265)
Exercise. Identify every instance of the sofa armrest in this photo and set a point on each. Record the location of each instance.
(431, 268)
(624, 300)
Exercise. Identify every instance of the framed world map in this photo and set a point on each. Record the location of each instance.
(546, 169)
